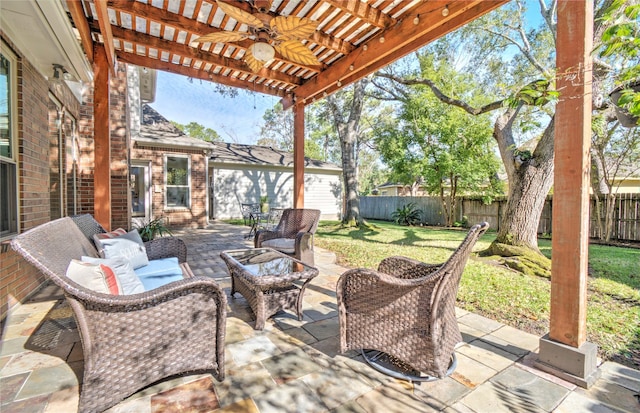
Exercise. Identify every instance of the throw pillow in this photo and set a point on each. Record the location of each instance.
(286, 245)
(96, 277)
(129, 246)
(127, 278)
(106, 235)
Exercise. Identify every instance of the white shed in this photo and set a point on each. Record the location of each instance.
(241, 174)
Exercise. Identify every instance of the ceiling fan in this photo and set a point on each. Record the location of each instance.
(282, 34)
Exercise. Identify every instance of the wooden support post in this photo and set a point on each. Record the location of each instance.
(565, 351)
(298, 156)
(102, 138)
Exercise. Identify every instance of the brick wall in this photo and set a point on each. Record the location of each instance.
(18, 279)
(86, 154)
(196, 216)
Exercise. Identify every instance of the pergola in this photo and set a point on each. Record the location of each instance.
(354, 38)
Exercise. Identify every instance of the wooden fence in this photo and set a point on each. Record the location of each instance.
(626, 219)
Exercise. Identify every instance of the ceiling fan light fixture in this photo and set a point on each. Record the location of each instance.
(262, 51)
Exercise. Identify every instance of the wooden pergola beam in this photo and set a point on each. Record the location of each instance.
(198, 73)
(298, 156)
(102, 138)
(404, 38)
(570, 241)
(364, 12)
(80, 21)
(105, 30)
(206, 57)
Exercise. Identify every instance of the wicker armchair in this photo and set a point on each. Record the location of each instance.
(293, 235)
(131, 341)
(405, 312)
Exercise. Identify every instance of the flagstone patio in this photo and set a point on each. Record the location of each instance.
(295, 366)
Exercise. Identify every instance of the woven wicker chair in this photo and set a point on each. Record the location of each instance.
(403, 316)
(131, 341)
(293, 235)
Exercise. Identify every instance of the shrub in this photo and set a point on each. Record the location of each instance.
(155, 227)
(407, 215)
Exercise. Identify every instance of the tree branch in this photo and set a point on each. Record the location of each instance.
(444, 98)
(524, 49)
(547, 14)
(394, 96)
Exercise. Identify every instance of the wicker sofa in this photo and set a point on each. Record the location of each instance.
(131, 341)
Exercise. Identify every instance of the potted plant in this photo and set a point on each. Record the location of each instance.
(150, 229)
(264, 204)
(621, 97)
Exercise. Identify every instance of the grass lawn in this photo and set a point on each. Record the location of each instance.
(487, 288)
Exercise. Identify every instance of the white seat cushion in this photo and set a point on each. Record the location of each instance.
(286, 245)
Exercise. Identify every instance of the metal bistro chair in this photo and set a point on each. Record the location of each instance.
(402, 317)
(247, 211)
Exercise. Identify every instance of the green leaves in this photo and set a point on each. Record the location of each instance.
(536, 93)
(621, 45)
(407, 214)
(198, 131)
(150, 229)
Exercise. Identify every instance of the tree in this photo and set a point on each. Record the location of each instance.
(620, 42)
(277, 129)
(344, 109)
(615, 150)
(615, 156)
(514, 65)
(440, 147)
(198, 131)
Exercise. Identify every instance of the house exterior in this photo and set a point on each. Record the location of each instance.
(243, 173)
(46, 132)
(396, 189)
(168, 173)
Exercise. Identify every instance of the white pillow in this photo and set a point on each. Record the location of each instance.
(128, 279)
(97, 277)
(129, 246)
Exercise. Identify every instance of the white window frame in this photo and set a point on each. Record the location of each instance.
(13, 125)
(166, 186)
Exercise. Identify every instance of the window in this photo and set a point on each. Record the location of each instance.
(63, 176)
(8, 146)
(177, 175)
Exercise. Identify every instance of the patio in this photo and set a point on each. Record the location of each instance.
(294, 366)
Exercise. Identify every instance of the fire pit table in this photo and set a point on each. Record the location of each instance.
(269, 280)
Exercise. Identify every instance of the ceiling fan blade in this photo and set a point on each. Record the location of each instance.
(240, 15)
(254, 64)
(292, 28)
(297, 52)
(222, 37)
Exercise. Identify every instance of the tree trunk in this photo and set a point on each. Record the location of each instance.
(350, 178)
(530, 179)
(348, 130)
(521, 215)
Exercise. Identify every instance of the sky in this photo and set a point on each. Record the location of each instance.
(235, 119)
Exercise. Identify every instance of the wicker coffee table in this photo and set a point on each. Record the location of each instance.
(269, 280)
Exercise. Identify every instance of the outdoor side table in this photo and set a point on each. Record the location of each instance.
(268, 280)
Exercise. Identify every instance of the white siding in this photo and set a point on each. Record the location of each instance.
(237, 185)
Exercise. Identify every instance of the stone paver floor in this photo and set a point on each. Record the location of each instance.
(295, 366)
